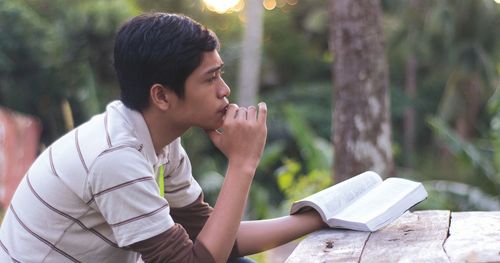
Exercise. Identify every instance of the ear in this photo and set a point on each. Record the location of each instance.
(160, 96)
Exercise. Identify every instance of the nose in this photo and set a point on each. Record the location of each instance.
(223, 90)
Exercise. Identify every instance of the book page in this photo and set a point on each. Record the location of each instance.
(381, 200)
(336, 197)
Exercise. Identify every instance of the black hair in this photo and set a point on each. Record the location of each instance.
(158, 48)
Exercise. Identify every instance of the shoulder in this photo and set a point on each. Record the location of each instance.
(125, 155)
(120, 164)
(175, 147)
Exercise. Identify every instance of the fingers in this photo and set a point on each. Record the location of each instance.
(262, 113)
(241, 113)
(243, 132)
(231, 111)
(252, 113)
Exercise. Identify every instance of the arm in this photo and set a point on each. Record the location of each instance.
(193, 217)
(253, 236)
(242, 142)
(257, 236)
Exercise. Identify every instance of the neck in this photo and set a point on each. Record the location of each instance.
(163, 130)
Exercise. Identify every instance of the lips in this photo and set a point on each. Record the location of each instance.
(223, 109)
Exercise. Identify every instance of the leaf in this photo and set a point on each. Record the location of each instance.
(461, 195)
(459, 146)
(286, 174)
(306, 140)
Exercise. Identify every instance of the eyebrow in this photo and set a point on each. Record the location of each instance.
(214, 69)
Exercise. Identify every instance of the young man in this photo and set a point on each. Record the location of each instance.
(93, 195)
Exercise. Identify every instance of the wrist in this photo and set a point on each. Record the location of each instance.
(242, 167)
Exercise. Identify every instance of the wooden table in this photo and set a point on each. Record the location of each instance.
(422, 236)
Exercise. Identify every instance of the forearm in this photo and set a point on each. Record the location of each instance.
(258, 236)
(242, 141)
(219, 233)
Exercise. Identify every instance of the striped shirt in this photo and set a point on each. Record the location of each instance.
(93, 192)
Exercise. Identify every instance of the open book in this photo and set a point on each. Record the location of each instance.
(363, 202)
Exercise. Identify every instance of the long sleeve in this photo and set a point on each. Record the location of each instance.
(193, 217)
(172, 245)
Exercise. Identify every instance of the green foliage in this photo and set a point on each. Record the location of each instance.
(272, 155)
(457, 196)
(479, 159)
(288, 52)
(315, 150)
(294, 180)
(484, 156)
(494, 133)
(454, 44)
(260, 257)
(311, 101)
(297, 186)
(49, 54)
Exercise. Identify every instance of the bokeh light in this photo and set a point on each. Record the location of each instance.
(223, 6)
(269, 4)
(228, 6)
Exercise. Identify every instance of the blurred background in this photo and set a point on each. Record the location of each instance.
(442, 67)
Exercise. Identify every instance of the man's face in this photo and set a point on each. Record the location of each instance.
(205, 95)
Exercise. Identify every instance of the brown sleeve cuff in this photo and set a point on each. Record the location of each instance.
(235, 253)
(193, 216)
(201, 252)
(172, 245)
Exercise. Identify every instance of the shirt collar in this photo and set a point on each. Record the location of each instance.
(141, 130)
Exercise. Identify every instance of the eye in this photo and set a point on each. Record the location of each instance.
(212, 79)
(216, 76)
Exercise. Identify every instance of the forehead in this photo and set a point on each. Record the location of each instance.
(210, 62)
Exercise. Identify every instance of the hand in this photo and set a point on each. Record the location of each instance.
(243, 134)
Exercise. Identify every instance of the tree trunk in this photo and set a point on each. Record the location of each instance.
(361, 118)
(410, 114)
(415, 13)
(249, 74)
(471, 88)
